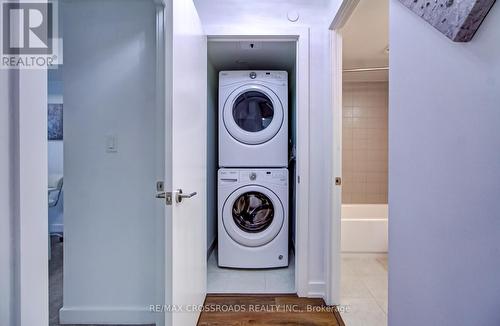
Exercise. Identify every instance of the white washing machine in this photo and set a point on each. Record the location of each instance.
(253, 119)
(253, 218)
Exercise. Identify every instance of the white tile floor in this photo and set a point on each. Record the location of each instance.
(225, 280)
(364, 289)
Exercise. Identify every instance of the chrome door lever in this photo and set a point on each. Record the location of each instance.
(179, 196)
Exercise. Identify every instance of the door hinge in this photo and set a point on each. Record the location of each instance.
(338, 181)
(298, 179)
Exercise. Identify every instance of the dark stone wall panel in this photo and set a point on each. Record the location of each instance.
(457, 19)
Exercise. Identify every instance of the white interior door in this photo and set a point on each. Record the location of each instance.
(188, 118)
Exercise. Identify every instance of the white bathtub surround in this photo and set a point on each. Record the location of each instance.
(364, 228)
(364, 289)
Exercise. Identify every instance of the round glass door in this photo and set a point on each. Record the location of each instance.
(253, 212)
(253, 114)
(253, 111)
(253, 215)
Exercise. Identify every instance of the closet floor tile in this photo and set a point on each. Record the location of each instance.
(227, 280)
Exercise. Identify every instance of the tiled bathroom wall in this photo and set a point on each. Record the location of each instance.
(364, 137)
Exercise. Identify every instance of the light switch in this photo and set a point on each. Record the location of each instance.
(111, 144)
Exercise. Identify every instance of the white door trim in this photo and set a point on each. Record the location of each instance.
(345, 11)
(189, 164)
(301, 36)
(333, 246)
(31, 229)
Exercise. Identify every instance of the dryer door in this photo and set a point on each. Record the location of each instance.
(253, 216)
(253, 114)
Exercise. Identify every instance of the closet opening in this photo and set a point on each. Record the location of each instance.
(251, 166)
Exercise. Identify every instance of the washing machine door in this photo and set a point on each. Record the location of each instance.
(253, 215)
(253, 114)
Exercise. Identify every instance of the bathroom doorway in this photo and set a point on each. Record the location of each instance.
(360, 44)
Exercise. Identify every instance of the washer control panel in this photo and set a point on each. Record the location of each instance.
(228, 176)
(265, 176)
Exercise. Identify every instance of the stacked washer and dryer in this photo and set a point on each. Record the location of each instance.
(253, 176)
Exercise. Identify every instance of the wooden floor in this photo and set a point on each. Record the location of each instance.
(266, 310)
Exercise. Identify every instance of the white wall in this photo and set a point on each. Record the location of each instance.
(55, 156)
(6, 212)
(23, 262)
(444, 159)
(55, 150)
(55, 86)
(111, 214)
(55, 166)
(55, 96)
(312, 14)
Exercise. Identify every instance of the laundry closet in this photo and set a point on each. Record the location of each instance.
(251, 166)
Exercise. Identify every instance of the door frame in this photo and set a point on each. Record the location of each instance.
(31, 285)
(300, 35)
(333, 249)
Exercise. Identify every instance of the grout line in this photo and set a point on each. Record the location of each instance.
(374, 298)
(361, 278)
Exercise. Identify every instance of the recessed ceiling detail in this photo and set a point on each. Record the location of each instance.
(240, 55)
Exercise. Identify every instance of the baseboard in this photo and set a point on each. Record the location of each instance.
(98, 315)
(56, 228)
(316, 289)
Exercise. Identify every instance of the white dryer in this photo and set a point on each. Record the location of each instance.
(253, 119)
(253, 218)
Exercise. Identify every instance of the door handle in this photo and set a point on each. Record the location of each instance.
(179, 196)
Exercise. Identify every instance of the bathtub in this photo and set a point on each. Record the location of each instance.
(364, 228)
